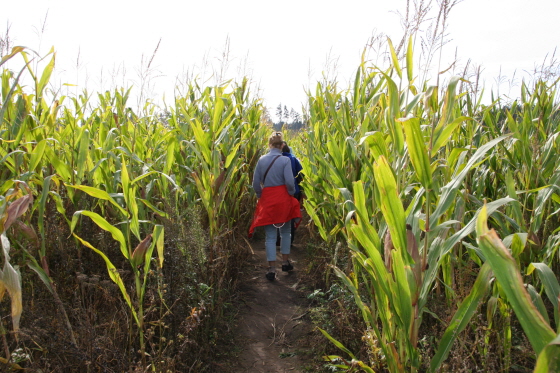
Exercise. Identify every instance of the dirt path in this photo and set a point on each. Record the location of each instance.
(273, 321)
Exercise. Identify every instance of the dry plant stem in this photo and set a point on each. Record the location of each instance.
(4, 341)
(140, 318)
(161, 311)
(6, 41)
(273, 324)
(60, 306)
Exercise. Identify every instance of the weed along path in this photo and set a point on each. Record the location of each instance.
(272, 324)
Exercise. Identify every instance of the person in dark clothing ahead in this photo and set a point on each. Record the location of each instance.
(296, 169)
(298, 177)
(274, 184)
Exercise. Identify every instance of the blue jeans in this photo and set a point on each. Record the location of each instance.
(270, 240)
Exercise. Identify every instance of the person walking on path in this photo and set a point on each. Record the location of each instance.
(274, 184)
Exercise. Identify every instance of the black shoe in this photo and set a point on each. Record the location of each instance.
(271, 275)
(287, 267)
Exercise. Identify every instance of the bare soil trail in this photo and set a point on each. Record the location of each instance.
(272, 326)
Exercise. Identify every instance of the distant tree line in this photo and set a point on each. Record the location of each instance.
(288, 119)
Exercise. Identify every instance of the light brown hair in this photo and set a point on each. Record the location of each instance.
(276, 140)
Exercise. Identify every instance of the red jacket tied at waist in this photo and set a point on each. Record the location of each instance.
(275, 206)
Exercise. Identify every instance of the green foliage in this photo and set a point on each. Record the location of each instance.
(401, 178)
(127, 174)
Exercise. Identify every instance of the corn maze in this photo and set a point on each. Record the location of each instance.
(121, 230)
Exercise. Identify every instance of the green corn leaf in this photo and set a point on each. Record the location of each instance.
(217, 115)
(394, 58)
(413, 103)
(463, 316)
(449, 191)
(543, 197)
(471, 225)
(41, 215)
(59, 205)
(232, 155)
(316, 219)
(8, 159)
(357, 83)
(103, 224)
(505, 269)
(147, 258)
(362, 365)
(518, 244)
(32, 263)
(360, 203)
(330, 358)
(15, 50)
(153, 208)
(37, 154)
(46, 75)
(129, 192)
(449, 102)
(62, 169)
(409, 60)
(538, 302)
(431, 100)
(125, 179)
(113, 274)
(392, 112)
(202, 140)
(335, 152)
(455, 156)
(134, 212)
(418, 152)
(510, 185)
(548, 360)
(366, 312)
(391, 205)
(148, 254)
(444, 135)
(400, 288)
(98, 193)
(27, 62)
(551, 285)
(170, 156)
(126, 151)
(158, 236)
(337, 343)
(83, 153)
(8, 97)
(143, 176)
(375, 260)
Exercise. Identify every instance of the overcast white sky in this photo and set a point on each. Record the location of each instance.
(283, 45)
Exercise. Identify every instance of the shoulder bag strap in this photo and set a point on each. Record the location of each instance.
(268, 169)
